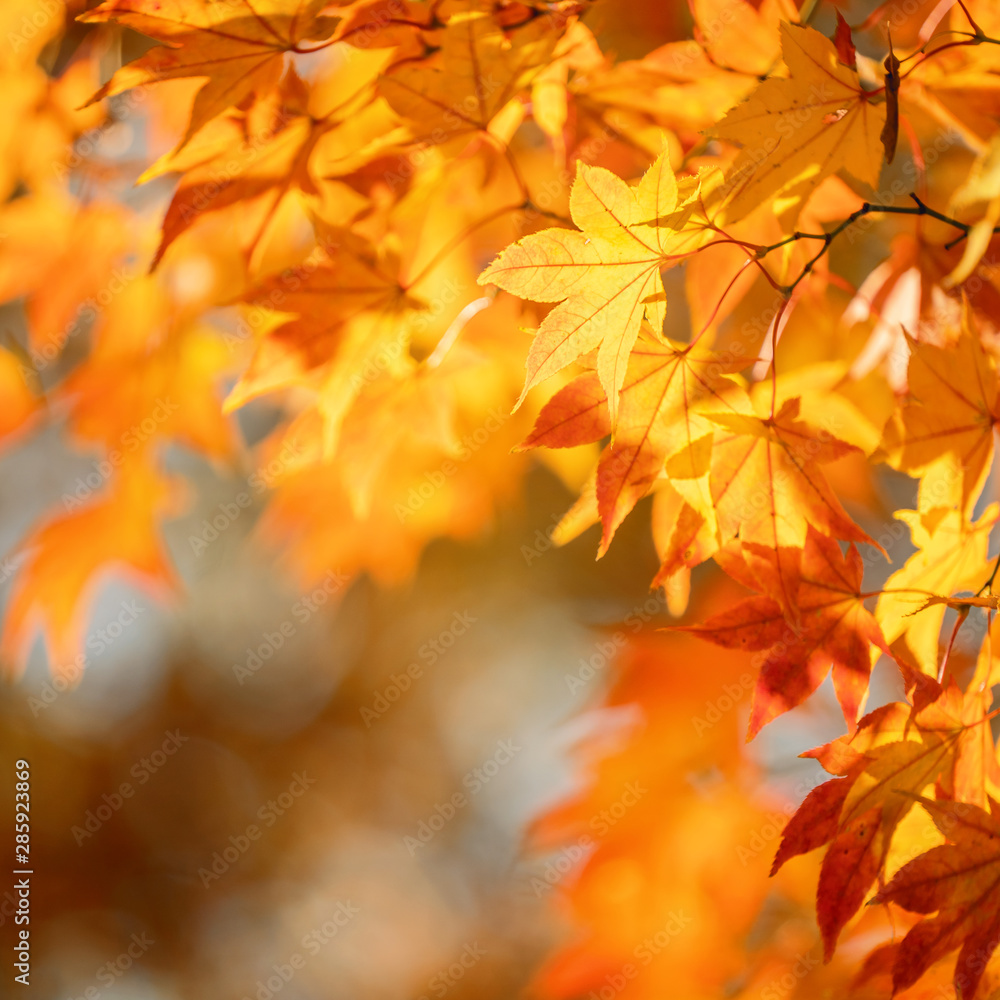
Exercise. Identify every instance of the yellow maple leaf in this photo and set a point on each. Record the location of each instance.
(608, 273)
(477, 71)
(946, 428)
(951, 557)
(981, 189)
(795, 132)
(661, 419)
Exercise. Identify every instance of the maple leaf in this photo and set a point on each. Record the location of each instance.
(668, 389)
(960, 883)
(815, 823)
(796, 132)
(67, 556)
(981, 189)
(363, 330)
(947, 423)
(479, 69)
(576, 414)
(768, 488)
(607, 273)
(60, 257)
(950, 558)
(289, 142)
(239, 46)
(896, 753)
(661, 419)
(150, 380)
(835, 629)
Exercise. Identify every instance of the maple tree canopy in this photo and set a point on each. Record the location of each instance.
(750, 274)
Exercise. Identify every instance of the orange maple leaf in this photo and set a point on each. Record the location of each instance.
(896, 753)
(576, 414)
(362, 331)
(769, 489)
(667, 391)
(475, 74)
(69, 555)
(960, 883)
(835, 630)
(291, 141)
(240, 46)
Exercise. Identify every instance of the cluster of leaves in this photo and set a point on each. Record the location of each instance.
(758, 263)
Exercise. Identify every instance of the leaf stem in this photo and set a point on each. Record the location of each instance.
(920, 208)
(959, 622)
(989, 583)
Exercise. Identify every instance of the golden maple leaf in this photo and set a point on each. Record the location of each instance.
(795, 132)
(239, 46)
(605, 277)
